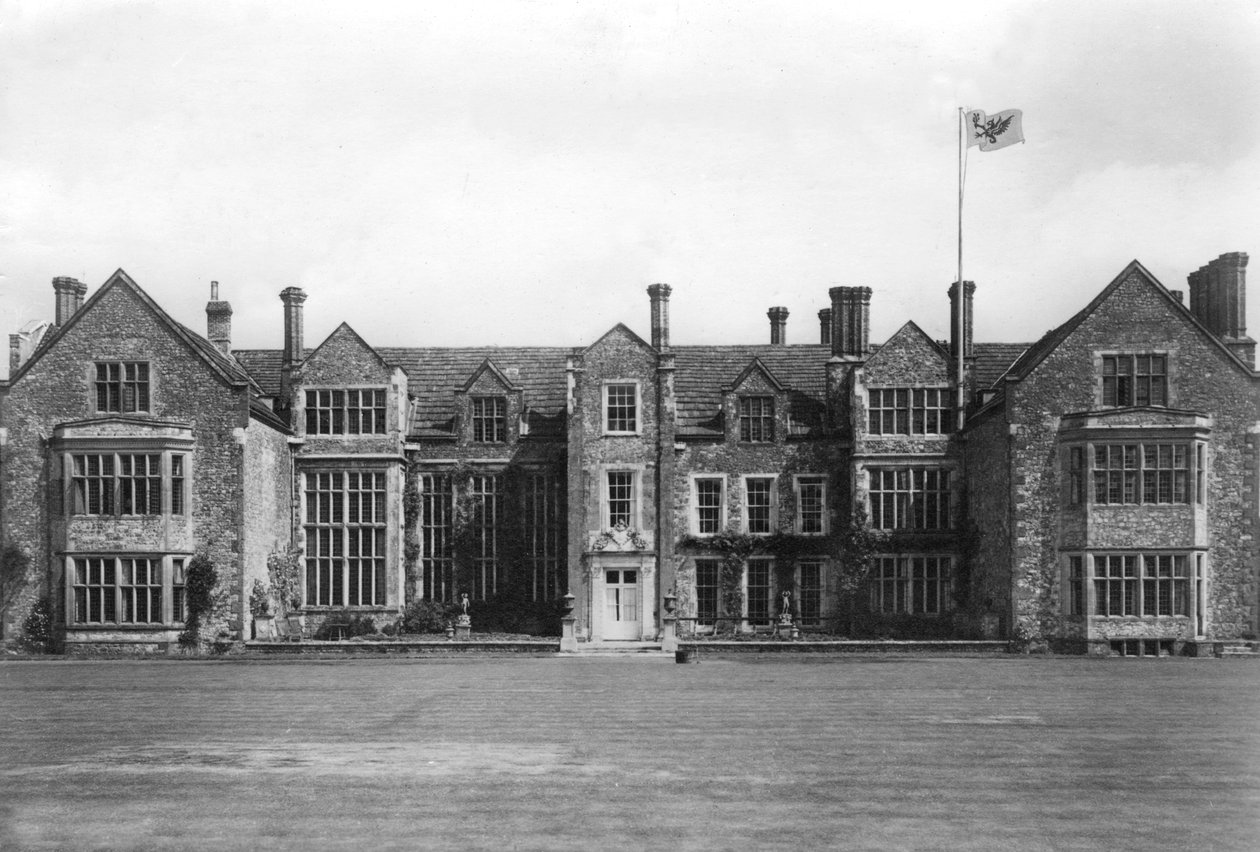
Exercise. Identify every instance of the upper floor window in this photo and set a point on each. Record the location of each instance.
(1141, 473)
(345, 412)
(1134, 380)
(759, 505)
(125, 484)
(621, 498)
(756, 419)
(811, 505)
(909, 411)
(621, 408)
(489, 419)
(122, 386)
(908, 498)
(709, 493)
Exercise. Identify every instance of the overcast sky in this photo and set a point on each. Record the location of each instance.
(518, 173)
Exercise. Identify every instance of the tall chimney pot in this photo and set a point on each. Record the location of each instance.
(850, 321)
(778, 325)
(69, 294)
(219, 321)
(824, 326)
(659, 294)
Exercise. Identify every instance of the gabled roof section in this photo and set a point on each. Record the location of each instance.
(911, 328)
(755, 366)
(703, 371)
(221, 365)
(344, 330)
(620, 328)
(488, 366)
(908, 333)
(1038, 352)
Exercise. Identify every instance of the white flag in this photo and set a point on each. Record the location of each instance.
(993, 132)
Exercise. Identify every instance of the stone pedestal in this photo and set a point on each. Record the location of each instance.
(463, 628)
(568, 637)
(669, 634)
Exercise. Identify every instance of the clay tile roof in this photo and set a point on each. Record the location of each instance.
(993, 360)
(702, 372)
(434, 374)
(263, 365)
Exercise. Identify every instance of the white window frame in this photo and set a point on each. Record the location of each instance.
(796, 491)
(638, 406)
(822, 563)
(636, 495)
(694, 514)
(774, 501)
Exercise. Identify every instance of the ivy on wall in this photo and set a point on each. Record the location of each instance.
(849, 551)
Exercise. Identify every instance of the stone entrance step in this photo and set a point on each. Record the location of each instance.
(619, 649)
(1240, 649)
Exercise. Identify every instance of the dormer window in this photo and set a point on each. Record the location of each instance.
(355, 411)
(1129, 380)
(756, 419)
(621, 408)
(122, 386)
(489, 419)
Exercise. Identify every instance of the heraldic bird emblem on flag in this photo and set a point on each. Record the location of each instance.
(992, 132)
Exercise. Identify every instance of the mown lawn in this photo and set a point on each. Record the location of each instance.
(543, 753)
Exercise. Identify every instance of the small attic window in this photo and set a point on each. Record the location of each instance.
(489, 419)
(756, 419)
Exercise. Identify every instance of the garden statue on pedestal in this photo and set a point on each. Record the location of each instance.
(463, 623)
(785, 626)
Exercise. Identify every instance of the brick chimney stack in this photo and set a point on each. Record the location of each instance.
(969, 300)
(293, 297)
(824, 326)
(219, 321)
(850, 321)
(15, 353)
(778, 325)
(70, 295)
(1218, 298)
(659, 293)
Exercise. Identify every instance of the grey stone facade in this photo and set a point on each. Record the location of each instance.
(1102, 489)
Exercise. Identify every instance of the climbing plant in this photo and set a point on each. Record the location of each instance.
(284, 570)
(14, 565)
(199, 583)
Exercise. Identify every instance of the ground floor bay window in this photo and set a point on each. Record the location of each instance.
(1133, 585)
(131, 590)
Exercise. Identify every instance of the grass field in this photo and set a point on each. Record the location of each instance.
(542, 753)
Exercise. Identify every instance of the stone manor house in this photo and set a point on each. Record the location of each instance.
(1100, 493)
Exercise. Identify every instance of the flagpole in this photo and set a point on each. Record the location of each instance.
(960, 297)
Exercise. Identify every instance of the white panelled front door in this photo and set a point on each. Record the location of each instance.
(621, 604)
